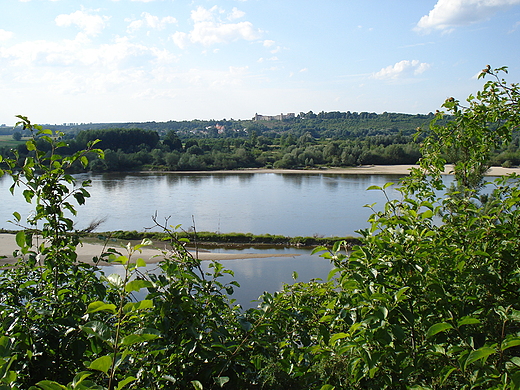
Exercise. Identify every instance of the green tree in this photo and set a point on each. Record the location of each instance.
(487, 123)
(429, 300)
(172, 140)
(46, 293)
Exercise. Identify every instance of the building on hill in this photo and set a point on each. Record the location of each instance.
(280, 117)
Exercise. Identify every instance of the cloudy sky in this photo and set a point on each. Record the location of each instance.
(157, 60)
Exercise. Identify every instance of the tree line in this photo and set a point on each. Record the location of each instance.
(307, 141)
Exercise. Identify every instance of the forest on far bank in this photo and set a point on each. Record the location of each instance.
(307, 140)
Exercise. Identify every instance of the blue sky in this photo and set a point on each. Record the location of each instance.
(158, 60)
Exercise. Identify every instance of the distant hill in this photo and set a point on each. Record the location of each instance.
(339, 125)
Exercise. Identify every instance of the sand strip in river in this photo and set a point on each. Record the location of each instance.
(153, 254)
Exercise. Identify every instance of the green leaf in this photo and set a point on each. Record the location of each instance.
(125, 381)
(17, 216)
(516, 361)
(140, 262)
(80, 378)
(437, 328)
(119, 259)
(28, 195)
(333, 272)
(336, 337)
(448, 373)
(138, 338)
(514, 315)
(221, 381)
(20, 239)
(427, 214)
(399, 295)
(197, 385)
(327, 387)
(102, 364)
(510, 342)
(480, 353)
(136, 306)
(98, 329)
(468, 321)
(101, 306)
(51, 385)
(84, 161)
(115, 280)
(318, 249)
(30, 145)
(144, 304)
(138, 284)
(374, 188)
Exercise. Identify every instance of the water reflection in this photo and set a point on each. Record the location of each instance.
(256, 276)
(258, 203)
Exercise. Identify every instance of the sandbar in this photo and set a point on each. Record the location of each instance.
(153, 254)
(403, 169)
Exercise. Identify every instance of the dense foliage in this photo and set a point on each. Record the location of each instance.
(428, 300)
(307, 140)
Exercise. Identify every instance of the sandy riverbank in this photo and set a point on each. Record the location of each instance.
(150, 254)
(360, 170)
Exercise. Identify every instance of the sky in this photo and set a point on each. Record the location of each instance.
(158, 60)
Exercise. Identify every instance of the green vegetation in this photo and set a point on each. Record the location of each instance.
(8, 141)
(428, 300)
(306, 141)
(212, 238)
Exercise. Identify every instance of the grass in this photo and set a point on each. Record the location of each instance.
(8, 141)
(228, 239)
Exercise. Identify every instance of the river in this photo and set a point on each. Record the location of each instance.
(288, 204)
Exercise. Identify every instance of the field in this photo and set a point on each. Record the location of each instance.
(8, 141)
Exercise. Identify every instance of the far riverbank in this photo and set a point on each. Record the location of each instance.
(359, 170)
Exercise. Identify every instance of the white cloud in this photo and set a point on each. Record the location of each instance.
(269, 43)
(32, 56)
(236, 14)
(514, 28)
(134, 25)
(181, 39)
(209, 29)
(91, 25)
(202, 14)
(402, 69)
(151, 21)
(448, 14)
(5, 35)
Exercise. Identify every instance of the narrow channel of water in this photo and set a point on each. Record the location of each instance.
(258, 275)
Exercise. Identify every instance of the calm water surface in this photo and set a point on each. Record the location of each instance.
(258, 203)
(256, 276)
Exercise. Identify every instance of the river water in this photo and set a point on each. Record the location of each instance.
(287, 204)
(298, 204)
